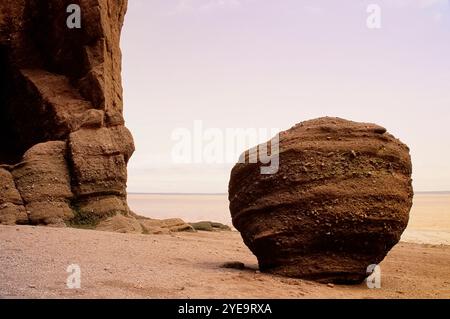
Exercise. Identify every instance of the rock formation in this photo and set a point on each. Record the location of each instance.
(210, 226)
(63, 144)
(135, 224)
(338, 203)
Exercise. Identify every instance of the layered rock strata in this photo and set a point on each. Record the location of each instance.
(338, 203)
(63, 144)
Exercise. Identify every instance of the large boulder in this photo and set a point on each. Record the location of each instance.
(338, 203)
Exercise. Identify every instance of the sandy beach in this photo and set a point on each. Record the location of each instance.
(34, 261)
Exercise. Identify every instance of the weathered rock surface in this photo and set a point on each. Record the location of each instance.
(210, 226)
(339, 202)
(12, 210)
(157, 226)
(134, 224)
(63, 145)
(43, 181)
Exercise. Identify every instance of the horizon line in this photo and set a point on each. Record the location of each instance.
(181, 193)
(176, 193)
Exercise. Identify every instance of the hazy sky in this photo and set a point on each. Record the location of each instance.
(274, 63)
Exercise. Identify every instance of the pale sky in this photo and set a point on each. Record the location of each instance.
(274, 63)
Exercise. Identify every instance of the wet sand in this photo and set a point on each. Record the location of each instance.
(429, 220)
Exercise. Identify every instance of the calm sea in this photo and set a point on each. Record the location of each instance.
(429, 220)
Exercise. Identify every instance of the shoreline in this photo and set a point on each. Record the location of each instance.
(34, 261)
(429, 217)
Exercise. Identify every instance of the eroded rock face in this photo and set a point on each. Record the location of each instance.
(43, 181)
(135, 224)
(63, 144)
(12, 210)
(339, 202)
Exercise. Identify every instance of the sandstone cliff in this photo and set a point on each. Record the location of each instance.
(63, 144)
